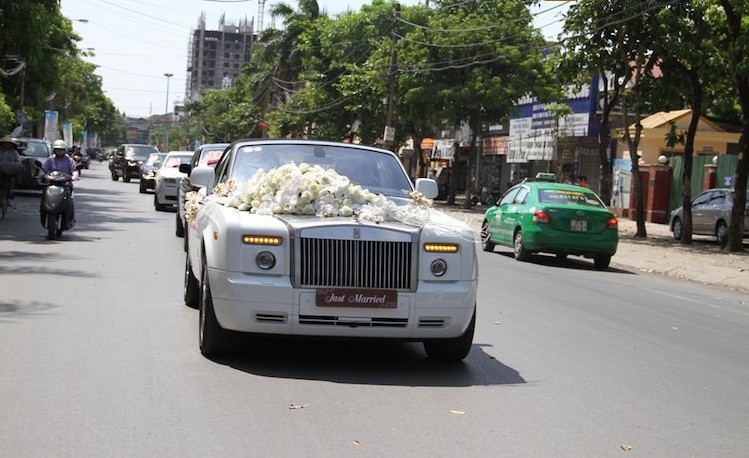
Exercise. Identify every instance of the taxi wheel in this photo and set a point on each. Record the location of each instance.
(602, 261)
(677, 228)
(486, 243)
(521, 253)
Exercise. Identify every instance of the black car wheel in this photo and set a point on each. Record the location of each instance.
(677, 228)
(602, 261)
(520, 252)
(192, 287)
(142, 187)
(486, 243)
(721, 233)
(213, 339)
(114, 176)
(454, 350)
(126, 175)
(179, 228)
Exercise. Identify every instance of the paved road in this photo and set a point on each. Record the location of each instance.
(100, 358)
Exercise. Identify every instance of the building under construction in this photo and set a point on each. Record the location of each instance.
(216, 57)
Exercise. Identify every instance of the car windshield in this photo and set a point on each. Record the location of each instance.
(139, 152)
(378, 172)
(210, 156)
(174, 161)
(35, 149)
(568, 197)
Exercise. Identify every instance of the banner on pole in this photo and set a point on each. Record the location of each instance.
(50, 125)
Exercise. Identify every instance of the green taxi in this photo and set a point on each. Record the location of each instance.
(542, 216)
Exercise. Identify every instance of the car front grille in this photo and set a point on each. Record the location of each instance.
(355, 264)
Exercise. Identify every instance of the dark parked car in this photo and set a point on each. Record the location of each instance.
(207, 154)
(33, 152)
(128, 159)
(711, 214)
(148, 171)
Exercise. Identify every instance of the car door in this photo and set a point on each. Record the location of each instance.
(714, 209)
(515, 212)
(496, 228)
(700, 213)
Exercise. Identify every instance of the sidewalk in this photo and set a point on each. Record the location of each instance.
(659, 253)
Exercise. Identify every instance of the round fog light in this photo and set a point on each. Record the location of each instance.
(438, 267)
(265, 260)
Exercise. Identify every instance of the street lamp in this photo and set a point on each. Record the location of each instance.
(166, 130)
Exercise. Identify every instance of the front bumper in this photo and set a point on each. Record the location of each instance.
(435, 310)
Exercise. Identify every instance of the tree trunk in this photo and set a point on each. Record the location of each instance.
(735, 36)
(604, 140)
(472, 159)
(686, 176)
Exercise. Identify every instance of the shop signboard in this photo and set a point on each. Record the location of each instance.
(444, 150)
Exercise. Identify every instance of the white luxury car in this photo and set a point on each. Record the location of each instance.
(167, 178)
(313, 238)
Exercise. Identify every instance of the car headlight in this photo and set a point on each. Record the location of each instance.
(438, 267)
(265, 260)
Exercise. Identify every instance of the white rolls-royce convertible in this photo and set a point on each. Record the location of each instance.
(314, 238)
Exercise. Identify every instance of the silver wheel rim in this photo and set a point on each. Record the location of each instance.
(518, 242)
(677, 229)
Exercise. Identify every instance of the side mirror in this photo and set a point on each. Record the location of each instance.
(427, 187)
(184, 168)
(203, 177)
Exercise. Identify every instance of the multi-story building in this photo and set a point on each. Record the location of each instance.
(216, 57)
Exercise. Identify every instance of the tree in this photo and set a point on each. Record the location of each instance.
(485, 64)
(685, 49)
(732, 28)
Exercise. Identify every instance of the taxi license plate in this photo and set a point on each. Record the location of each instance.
(578, 225)
(350, 297)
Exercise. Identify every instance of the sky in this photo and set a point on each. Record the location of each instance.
(135, 42)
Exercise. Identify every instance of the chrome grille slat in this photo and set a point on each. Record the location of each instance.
(355, 263)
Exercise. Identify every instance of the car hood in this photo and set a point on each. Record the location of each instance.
(438, 224)
(170, 173)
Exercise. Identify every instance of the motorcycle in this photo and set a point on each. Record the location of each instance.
(80, 164)
(56, 210)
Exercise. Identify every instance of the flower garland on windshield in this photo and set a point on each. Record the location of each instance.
(310, 190)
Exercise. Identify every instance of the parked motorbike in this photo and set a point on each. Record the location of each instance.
(56, 210)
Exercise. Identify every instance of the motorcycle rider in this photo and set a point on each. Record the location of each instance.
(9, 154)
(61, 162)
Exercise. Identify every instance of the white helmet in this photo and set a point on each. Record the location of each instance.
(59, 144)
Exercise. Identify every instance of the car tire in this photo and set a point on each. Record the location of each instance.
(192, 286)
(114, 176)
(454, 350)
(561, 256)
(156, 205)
(213, 339)
(721, 233)
(486, 243)
(677, 228)
(179, 228)
(520, 252)
(602, 261)
(142, 187)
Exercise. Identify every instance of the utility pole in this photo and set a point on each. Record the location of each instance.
(169, 119)
(389, 135)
